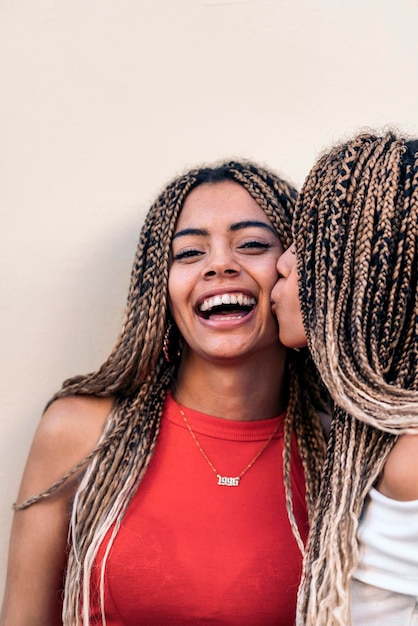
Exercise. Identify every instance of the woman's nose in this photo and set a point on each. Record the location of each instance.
(286, 262)
(280, 266)
(221, 263)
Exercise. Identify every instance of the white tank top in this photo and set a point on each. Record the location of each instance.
(388, 544)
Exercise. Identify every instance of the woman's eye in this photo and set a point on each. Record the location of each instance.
(191, 253)
(255, 245)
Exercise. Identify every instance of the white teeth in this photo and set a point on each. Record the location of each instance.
(227, 298)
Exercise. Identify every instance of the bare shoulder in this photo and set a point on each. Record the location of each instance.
(67, 433)
(400, 474)
(75, 419)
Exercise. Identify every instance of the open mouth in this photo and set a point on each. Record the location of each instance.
(227, 304)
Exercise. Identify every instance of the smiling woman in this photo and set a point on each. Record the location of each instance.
(179, 467)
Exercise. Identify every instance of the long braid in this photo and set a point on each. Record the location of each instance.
(115, 478)
(138, 377)
(356, 234)
(306, 396)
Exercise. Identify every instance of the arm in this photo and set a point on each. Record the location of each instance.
(399, 479)
(66, 434)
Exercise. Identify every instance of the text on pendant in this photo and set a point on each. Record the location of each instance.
(228, 481)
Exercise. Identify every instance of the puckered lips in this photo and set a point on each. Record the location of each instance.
(226, 305)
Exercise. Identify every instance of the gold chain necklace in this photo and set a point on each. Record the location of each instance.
(227, 481)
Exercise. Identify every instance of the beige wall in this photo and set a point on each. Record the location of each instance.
(103, 101)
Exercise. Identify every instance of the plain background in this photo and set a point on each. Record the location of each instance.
(104, 101)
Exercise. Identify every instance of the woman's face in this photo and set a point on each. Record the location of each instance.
(223, 267)
(286, 304)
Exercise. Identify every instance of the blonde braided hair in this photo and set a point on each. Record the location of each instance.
(138, 376)
(356, 235)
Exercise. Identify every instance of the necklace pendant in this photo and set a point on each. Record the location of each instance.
(228, 481)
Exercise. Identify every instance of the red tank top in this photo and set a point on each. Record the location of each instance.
(190, 551)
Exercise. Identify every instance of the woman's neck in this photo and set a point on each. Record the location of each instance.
(236, 391)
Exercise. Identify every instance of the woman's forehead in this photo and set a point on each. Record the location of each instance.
(226, 201)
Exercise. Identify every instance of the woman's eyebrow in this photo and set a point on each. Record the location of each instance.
(203, 232)
(252, 224)
(191, 231)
